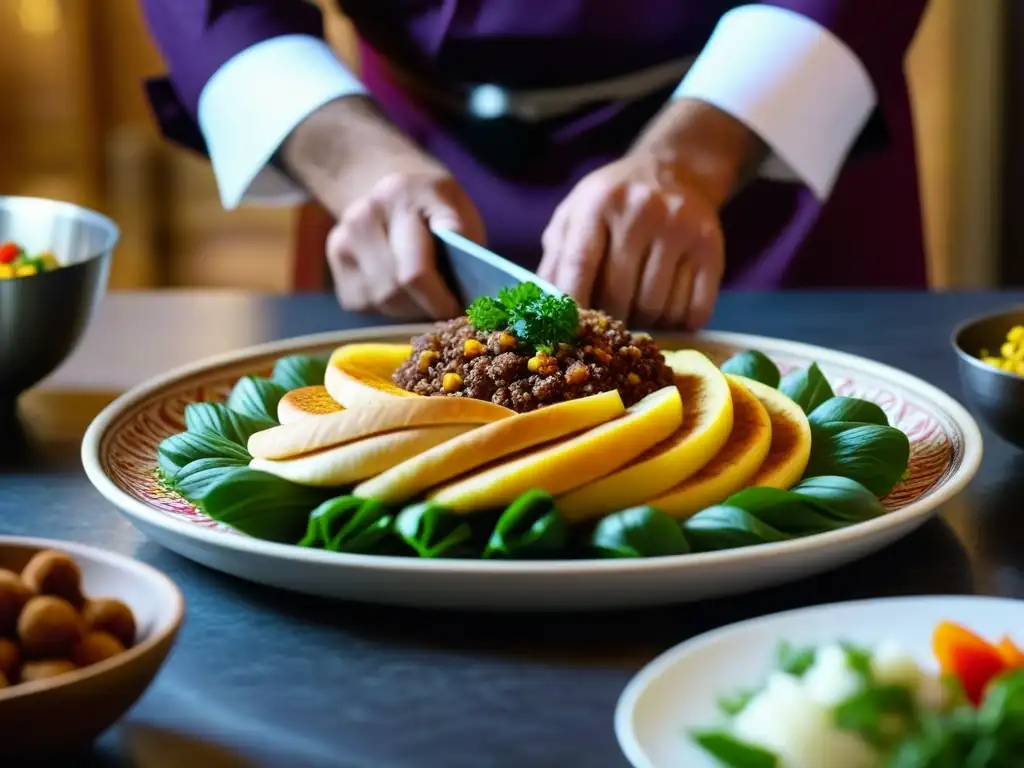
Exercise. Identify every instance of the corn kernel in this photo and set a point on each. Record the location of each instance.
(26, 270)
(1007, 349)
(6, 271)
(632, 379)
(577, 374)
(602, 356)
(542, 364)
(49, 261)
(533, 364)
(506, 341)
(993, 361)
(1018, 368)
(451, 382)
(427, 358)
(472, 348)
(1016, 334)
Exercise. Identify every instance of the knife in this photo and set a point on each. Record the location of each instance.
(472, 271)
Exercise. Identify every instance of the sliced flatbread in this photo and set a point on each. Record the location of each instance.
(306, 401)
(360, 374)
(349, 463)
(569, 463)
(707, 423)
(489, 443)
(733, 466)
(791, 438)
(315, 433)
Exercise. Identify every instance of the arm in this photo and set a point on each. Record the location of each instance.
(244, 74)
(802, 76)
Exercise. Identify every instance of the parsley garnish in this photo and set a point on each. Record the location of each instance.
(540, 320)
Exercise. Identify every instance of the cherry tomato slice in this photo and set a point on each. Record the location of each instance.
(8, 253)
(971, 659)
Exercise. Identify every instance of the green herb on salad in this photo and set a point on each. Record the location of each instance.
(794, 661)
(537, 318)
(733, 752)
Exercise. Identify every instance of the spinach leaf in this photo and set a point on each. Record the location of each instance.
(841, 408)
(786, 511)
(347, 524)
(1001, 714)
(808, 388)
(754, 365)
(735, 703)
(179, 450)
(256, 397)
(639, 532)
(794, 661)
(530, 526)
(733, 752)
(260, 504)
(873, 455)
(195, 479)
(299, 371)
(221, 420)
(882, 715)
(433, 531)
(840, 498)
(727, 527)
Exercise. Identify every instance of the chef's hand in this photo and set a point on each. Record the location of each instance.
(381, 252)
(639, 240)
(386, 195)
(641, 237)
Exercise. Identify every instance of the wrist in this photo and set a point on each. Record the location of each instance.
(341, 150)
(703, 146)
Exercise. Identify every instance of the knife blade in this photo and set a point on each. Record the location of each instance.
(472, 271)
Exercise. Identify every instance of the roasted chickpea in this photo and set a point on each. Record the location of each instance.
(108, 615)
(53, 573)
(10, 658)
(42, 670)
(95, 647)
(14, 593)
(48, 627)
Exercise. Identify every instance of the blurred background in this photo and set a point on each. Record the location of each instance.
(74, 124)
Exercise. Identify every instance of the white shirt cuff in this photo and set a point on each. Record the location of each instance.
(792, 82)
(254, 101)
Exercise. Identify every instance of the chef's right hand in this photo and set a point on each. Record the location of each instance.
(386, 194)
(381, 252)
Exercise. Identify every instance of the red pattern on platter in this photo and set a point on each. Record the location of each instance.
(128, 453)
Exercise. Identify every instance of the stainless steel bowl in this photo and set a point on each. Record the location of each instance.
(996, 395)
(42, 317)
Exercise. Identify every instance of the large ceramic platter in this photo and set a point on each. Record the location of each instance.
(677, 692)
(119, 454)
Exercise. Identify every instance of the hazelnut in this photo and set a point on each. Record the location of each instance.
(48, 627)
(10, 658)
(14, 593)
(53, 573)
(95, 647)
(42, 670)
(108, 615)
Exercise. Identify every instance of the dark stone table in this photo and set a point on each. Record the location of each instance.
(261, 677)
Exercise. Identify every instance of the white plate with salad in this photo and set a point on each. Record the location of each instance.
(912, 682)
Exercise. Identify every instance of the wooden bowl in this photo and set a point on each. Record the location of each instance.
(69, 711)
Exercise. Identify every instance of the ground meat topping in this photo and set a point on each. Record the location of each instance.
(496, 366)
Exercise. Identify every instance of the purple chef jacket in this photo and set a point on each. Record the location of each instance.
(867, 234)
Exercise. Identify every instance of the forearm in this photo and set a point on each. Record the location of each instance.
(704, 145)
(340, 150)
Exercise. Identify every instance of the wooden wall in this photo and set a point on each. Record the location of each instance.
(76, 125)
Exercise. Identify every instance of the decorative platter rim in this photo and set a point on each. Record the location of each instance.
(944, 489)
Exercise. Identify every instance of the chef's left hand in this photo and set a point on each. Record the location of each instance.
(640, 240)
